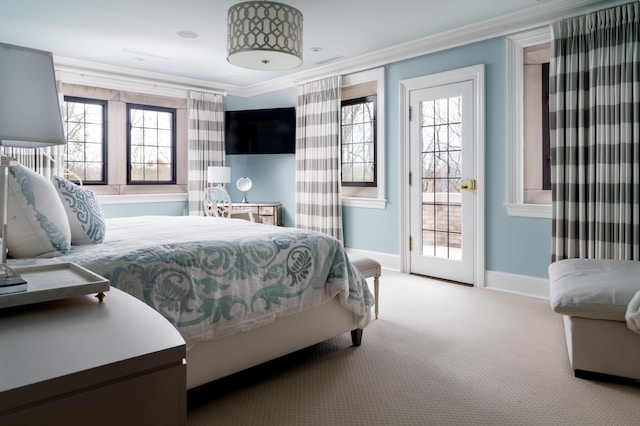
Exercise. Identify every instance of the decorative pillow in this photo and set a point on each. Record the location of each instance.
(632, 317)
(86, 218)
(37, 225)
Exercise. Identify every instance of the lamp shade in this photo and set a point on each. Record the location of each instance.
(30, 115)
(264, 35)
(217, 174)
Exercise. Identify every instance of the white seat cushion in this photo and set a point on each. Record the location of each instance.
(593, 288)
(367, 266)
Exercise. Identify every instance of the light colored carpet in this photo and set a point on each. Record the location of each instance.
(440, 353)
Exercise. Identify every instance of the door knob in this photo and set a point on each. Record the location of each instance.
(467, 184)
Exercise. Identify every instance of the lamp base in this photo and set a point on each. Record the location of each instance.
(12, 282)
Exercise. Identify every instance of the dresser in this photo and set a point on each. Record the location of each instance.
(263, 212)
(77, 361)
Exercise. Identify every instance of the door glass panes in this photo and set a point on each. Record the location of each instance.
(151, 144)
(441, 174)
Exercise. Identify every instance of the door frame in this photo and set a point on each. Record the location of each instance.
(474, 73)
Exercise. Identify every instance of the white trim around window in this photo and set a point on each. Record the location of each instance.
(379, 202)
(515, 109)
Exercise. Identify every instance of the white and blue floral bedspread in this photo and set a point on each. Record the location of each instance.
(212, 277)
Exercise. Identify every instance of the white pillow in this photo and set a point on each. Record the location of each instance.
(86, 218)
(632, 317)
(37, 225)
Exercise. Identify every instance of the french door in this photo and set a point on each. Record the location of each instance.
(443, 205)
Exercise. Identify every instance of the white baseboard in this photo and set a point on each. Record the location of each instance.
(517, 284)
(388, 261)
(500, 281)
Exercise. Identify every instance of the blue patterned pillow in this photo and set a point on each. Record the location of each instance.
(37, 225)
(86, 218)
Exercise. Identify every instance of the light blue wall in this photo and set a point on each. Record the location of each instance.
(273, 178)
(514, 245)
(273, 175)
(144, 209)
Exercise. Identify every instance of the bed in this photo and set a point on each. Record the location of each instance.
(240, 293)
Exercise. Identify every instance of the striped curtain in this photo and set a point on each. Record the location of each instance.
(318, 205)
(206, 144)
(595, 135)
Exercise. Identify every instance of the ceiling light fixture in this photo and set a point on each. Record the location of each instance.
(264, 35)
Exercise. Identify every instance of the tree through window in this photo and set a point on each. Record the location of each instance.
(151, 143)
(86, 131)
(358, 132)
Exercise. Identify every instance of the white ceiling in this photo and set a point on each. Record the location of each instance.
(142, 35)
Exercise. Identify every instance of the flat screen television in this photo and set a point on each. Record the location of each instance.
(260, 131)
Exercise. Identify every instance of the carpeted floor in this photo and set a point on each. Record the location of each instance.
(440, 354)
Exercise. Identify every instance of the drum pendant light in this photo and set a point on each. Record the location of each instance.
(264, 35)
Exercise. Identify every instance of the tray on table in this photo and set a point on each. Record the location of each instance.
(53, 282)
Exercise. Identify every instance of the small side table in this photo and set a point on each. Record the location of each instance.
(77, 361)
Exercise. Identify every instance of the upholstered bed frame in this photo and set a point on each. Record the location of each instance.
(214, 359)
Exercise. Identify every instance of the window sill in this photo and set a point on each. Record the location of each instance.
(142, 198)
(529, 210)
(367, 203)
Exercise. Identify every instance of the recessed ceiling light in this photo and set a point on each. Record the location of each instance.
(187, 34)
(316, 49)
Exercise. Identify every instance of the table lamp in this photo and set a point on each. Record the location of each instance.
(218, 174)
(30, 117)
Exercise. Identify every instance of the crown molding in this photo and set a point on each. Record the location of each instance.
(88, 73)
(543, 14)
(76, 71)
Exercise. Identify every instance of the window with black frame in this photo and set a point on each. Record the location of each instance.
(85, 124)
(358, 142)
(151, 143)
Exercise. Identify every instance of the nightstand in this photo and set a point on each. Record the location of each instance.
(79, 361)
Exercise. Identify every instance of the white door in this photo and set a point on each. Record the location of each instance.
(443, 197)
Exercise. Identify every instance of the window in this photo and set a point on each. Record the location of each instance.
(85, 122)
(363, 177)
(546, 132)
(151, 144)
(528, 182)
(358, 140)
(116, 123)
(537, 170)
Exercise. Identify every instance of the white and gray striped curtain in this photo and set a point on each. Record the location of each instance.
(206, 144)
(595, 135)
(318, 205)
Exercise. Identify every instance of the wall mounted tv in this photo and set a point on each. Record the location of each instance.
(260, 131)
